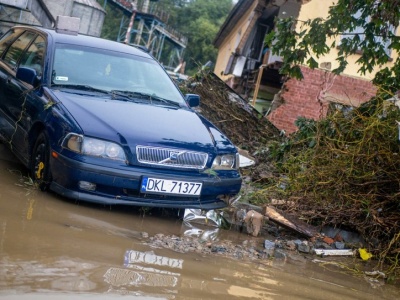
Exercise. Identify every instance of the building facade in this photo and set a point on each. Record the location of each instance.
(246, 64)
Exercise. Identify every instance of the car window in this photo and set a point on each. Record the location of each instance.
(33, 57)
(15, 51)
(8, 38)
(109, 70)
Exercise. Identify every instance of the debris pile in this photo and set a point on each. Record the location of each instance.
(342, 171)
(236, 118)
(248, 129)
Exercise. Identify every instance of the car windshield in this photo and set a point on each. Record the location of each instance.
(112, 71)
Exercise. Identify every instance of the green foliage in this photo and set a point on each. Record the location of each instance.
(111, 22)
(200, 21)
(200, 49)
(366, 27)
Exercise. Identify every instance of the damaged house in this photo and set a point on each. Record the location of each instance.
(246, 64)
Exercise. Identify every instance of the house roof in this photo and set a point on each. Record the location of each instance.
(234, 16)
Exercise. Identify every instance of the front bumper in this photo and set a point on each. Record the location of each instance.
(122, 185)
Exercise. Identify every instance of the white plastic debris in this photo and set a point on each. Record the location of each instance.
(245, 161)
(204, 235)
(210, 217)
(376, 274)
(334, 252)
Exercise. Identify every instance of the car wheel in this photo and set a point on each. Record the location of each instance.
(40, 162)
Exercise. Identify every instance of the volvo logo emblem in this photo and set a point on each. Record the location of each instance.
(173, 156)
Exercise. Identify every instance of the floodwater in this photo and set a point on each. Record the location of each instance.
(54, 248)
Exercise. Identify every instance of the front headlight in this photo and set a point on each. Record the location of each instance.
(226, 162)
(94, 147)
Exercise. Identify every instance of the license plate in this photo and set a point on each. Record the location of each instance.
(165, 186)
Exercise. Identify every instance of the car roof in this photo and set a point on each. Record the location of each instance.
(86, 40)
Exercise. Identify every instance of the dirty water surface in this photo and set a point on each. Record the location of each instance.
(54, 248)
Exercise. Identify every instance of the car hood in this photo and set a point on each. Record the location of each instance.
(144, 123)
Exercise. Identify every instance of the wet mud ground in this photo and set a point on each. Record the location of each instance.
(55, 248)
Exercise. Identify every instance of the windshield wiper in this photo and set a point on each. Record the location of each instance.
(151, 97)
(82, 87)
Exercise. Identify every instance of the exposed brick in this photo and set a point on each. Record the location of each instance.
(328, 240)
(302, 97)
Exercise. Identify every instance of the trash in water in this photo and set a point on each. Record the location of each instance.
(202, 234)
(210, 217)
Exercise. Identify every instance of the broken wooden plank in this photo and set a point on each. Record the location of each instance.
(289, 222)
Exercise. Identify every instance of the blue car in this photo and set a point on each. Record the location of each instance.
(100, 121)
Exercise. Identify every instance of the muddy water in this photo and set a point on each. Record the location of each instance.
(53, 248)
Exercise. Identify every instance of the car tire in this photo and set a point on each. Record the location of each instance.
(40, 162)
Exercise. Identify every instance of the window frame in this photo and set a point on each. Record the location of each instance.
(359, 31)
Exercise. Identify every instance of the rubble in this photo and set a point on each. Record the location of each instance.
(249, 249)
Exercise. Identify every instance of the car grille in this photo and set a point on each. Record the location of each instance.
(171, 157)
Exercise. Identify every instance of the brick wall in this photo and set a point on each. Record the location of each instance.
(310, 96)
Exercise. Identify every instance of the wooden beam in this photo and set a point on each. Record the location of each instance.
(290, 222)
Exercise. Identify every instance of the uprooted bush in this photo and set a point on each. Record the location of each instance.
(345, 171)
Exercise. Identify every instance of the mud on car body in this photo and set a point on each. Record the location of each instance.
(100, 121)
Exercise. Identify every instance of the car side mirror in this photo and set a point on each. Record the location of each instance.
(27, 75)
(192, 100)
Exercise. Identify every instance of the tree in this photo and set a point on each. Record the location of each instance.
(200, 21)
(111, 23)
(366, 27)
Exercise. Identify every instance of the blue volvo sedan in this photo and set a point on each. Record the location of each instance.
(100, 121)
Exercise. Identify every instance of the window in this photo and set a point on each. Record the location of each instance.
(15, 51)
(8, 38)
(33, 57)
(359, 32)
(109, 70)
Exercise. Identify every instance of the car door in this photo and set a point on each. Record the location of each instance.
(16, 104)
(5, 70)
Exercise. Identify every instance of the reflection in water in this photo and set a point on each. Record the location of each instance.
(148, 276)
(134, 257)
(30, 209)
(60, 275)
(3, 234)
(121, 277)
(204, 234)
(151, 270)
